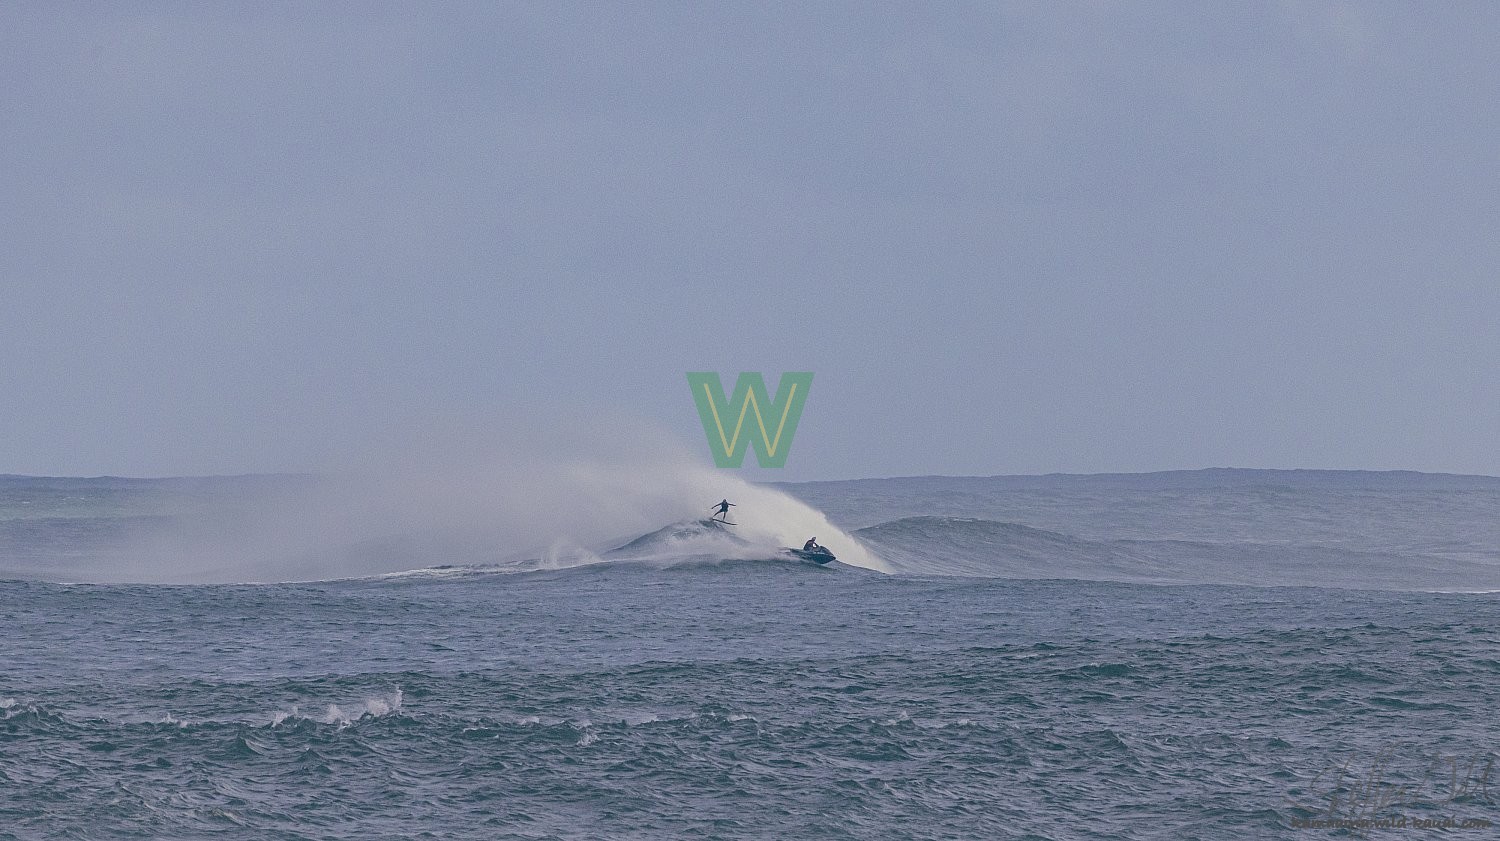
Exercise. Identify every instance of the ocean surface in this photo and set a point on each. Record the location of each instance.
(1210, 654)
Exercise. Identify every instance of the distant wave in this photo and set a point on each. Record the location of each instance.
(959, 546)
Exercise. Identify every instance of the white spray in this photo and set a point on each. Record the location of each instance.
(465, 494)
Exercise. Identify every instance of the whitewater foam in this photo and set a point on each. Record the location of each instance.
(376, 707)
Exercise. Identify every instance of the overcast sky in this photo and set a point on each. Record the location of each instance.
(1004, 237)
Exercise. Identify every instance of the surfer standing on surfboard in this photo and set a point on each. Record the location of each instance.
(723, 509)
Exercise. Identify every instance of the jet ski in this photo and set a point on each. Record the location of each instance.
(820, 555)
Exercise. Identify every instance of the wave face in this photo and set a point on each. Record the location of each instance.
(1267, 528)
(951, 546)
(958, 546)
(688, 537)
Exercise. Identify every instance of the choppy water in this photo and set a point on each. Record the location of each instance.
(768, 699)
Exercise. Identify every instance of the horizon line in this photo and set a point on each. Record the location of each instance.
(1051, 475)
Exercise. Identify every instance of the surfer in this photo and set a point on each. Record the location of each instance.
(811, 545)
(723, 511)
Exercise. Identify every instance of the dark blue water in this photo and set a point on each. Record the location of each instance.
(734, 701)
(774, 699)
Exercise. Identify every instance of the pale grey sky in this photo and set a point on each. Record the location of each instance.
(1005, 237)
